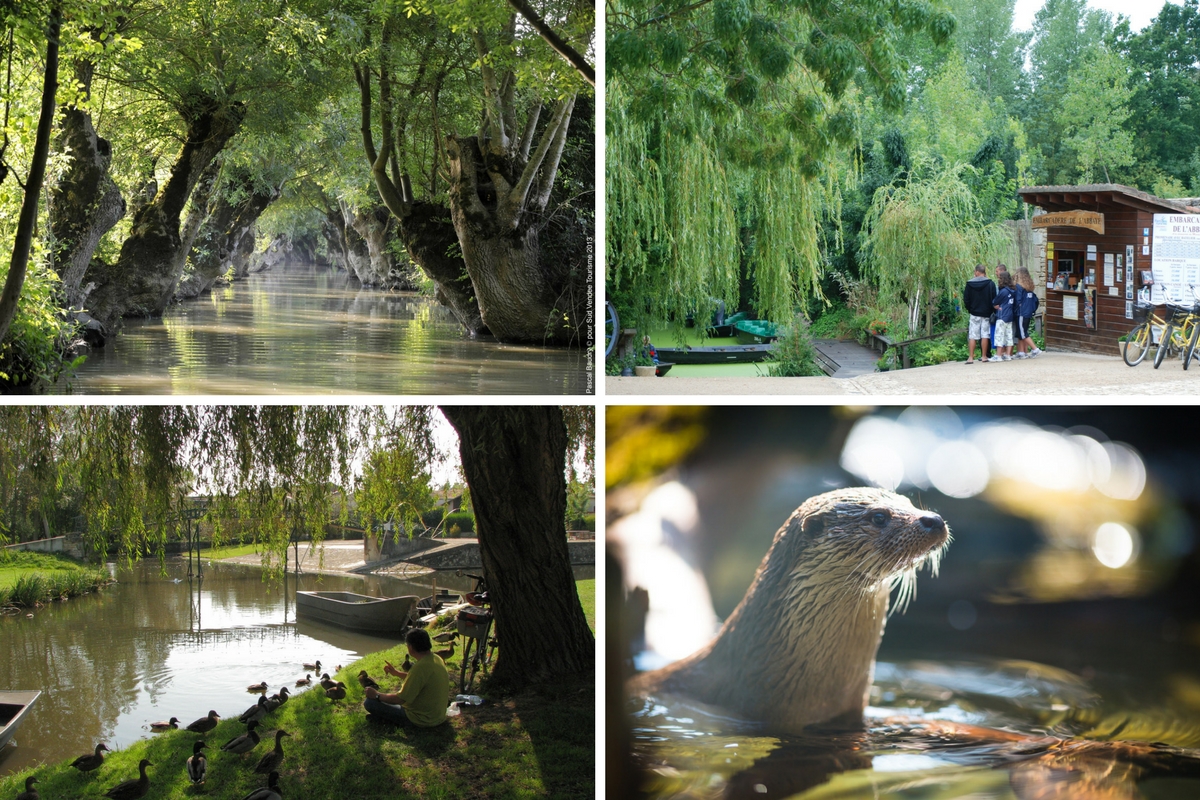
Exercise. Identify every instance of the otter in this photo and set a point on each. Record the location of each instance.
(800, 648)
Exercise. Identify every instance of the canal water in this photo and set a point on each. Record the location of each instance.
(306, 330)
(151, 647)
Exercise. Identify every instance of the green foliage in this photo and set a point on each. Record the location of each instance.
(34, 353)
(1097, 102)
(922, 239)
(459, 522)
(793, 355)
(954, 117)
(394, 486)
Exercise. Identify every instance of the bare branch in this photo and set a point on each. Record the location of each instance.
(555, 41)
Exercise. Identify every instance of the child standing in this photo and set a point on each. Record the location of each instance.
(1026, 307)
(1005, 305)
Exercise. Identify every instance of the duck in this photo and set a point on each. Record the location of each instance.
(197, 765)
(326, 681)
(269, 792)
(133, 789)
(407, 665)
(448, 636)
(305, 681)
(91, 761)
(257, 687)
(244, 743)
(277, 699)
(446, 655)
(336, 692)
(168, 725)
(312, 667)
(254, 712)
(204, 724)
(271, 761)
(30, 793)
(366, 680)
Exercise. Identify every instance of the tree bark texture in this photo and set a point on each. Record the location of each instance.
(27, 218)
(497, 216)
(425, 228)
(220, 236)
(83, 205)
(143, 279)
(514, 460)
(356, 253)
(374, 225)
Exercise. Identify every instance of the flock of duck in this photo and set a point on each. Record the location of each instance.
(197, 763)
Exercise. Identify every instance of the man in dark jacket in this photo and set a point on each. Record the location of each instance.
(978, 296)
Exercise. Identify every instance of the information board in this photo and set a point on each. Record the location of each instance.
(1175, 258)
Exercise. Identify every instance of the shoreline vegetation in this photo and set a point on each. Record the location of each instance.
(526, 745)
(539, 743)
(29, 580)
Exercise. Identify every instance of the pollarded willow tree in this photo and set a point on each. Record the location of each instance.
(923, 236)
(503, 274)
(273, 472)
(730, 129)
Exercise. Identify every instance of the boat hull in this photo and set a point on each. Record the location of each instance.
(356, 611)
(755, 332)
(730, 354)
(14, 706)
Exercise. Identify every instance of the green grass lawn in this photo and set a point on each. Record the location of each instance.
(524, 746)
(17, 564)
(587, 598)
(229, 551)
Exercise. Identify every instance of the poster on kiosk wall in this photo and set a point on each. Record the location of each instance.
(1175, 259)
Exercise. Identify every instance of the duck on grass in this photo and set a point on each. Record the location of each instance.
(527, 745)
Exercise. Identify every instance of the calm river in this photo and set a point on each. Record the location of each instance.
(150, 648)
(306, 330)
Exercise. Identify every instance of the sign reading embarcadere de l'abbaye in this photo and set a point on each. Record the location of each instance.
(1092, 220)
(1175, 258)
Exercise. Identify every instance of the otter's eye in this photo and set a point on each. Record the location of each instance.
(880, 519)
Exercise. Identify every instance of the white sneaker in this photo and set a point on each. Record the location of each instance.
(1006, 358)
(1021, 355)
(1035, 353)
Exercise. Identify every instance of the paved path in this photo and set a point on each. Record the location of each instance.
(1051, 374)
(331, 558)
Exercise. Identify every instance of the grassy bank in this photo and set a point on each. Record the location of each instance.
(587, 598)
(524, 746)
(27, 579)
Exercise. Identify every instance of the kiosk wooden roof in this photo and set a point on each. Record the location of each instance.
(1084, 224)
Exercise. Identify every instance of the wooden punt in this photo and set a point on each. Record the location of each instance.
(357, 611)
(13, 708)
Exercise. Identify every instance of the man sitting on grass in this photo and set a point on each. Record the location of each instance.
(423, 698)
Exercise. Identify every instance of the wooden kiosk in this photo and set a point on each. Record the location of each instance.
(1098, 257)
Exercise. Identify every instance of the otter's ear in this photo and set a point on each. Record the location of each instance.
(813, 524)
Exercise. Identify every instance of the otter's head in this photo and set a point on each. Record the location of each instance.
(859, 538)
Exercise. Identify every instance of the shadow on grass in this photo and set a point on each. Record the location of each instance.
(561, 722)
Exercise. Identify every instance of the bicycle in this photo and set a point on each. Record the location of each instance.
(1179, 335)
(1145, 334)
(474, 623)
(612, 328)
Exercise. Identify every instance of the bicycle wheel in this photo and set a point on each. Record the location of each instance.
(1190, 350)
(464, 682)
(1137, 342)
(612, 328)
(1167, 342)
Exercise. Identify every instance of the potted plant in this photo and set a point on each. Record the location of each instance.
(644, 366)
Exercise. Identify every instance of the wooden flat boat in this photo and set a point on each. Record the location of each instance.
(14, 706)
(725, 329)
(755, 331)
(357, 611)
(723, 354)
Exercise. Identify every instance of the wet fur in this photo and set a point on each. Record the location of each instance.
(800, 647)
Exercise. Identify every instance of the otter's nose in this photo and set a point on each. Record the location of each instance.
(932, 522)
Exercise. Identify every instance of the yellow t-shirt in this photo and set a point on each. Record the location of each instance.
(426, 691)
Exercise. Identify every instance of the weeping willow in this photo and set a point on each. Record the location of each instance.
(923, 237)
(671, 230)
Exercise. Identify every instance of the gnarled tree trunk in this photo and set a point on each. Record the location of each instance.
(143, 279)
(514, 460)
(84, 203)
(374, 226)
(222, 232)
